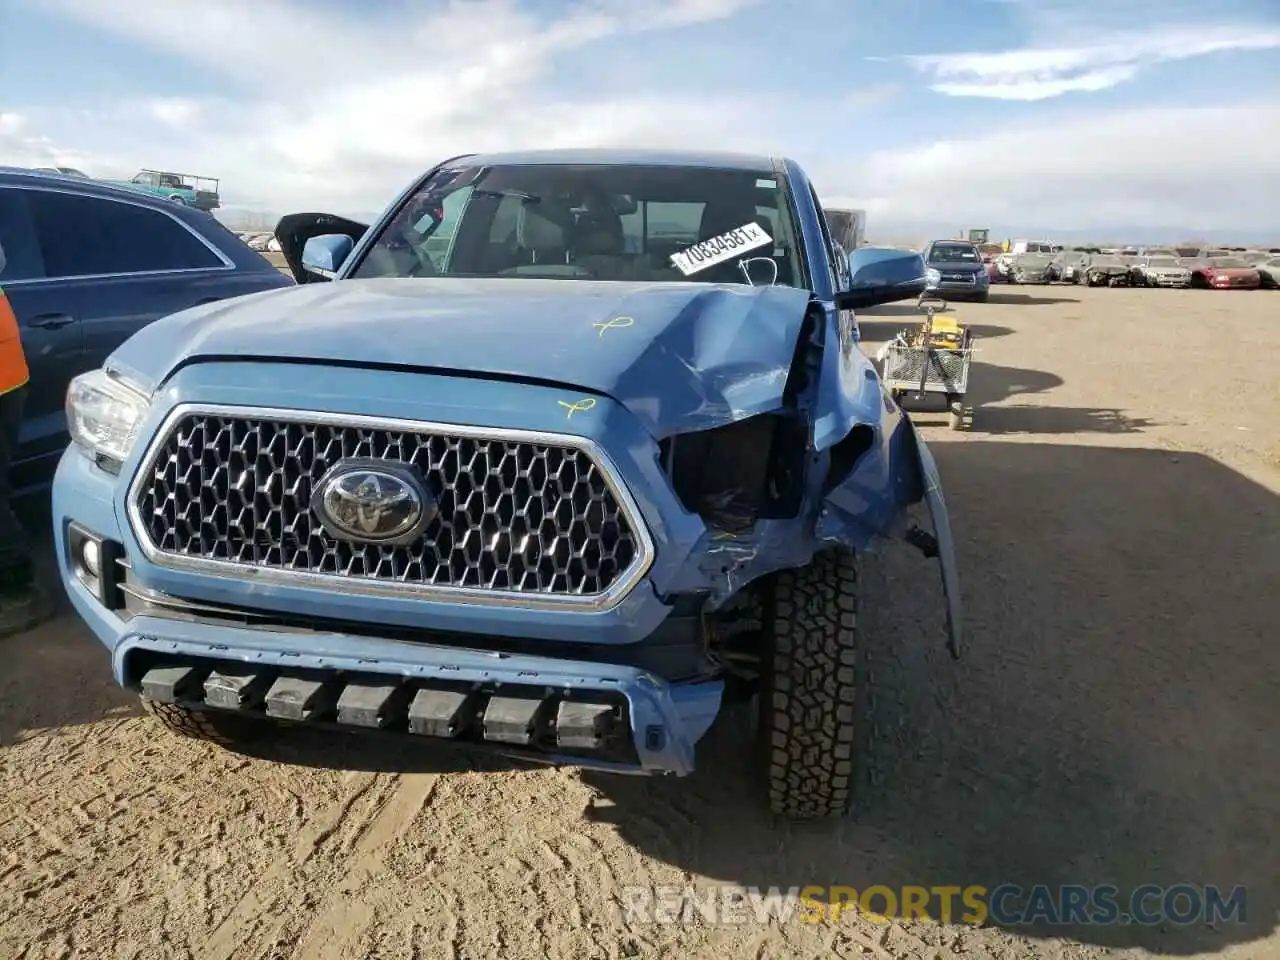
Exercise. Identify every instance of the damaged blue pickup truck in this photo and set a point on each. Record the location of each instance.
(564, 452)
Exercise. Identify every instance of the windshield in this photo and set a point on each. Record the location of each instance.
(1162, 262)
(953, 253)
(593, 222)
(1228, 262)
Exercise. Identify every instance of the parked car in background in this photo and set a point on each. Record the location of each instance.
(1068, 266)
(1018, 247)
(1107, 270)
(1030, 268)
(185, 188)
(955, 271)
(65, 171)
(1269, 272)
(1254, 257)
(1160, 271)
(87, 266)
(1225, 273)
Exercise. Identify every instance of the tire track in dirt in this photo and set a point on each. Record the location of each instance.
(229, 937)
(347, 913)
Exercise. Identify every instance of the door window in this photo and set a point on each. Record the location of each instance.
(22, 257)
(832, 270)
(439, 235)
(92, 236)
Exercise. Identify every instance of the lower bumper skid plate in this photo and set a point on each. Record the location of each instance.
(538, 719)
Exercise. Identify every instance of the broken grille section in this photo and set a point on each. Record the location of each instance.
(515, 515)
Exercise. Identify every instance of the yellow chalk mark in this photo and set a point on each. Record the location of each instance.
(578, 406)
(617, 323)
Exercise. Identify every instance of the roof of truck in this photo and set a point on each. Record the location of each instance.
(712, 159)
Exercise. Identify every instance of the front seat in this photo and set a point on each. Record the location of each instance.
(599, 244)
(542, 235)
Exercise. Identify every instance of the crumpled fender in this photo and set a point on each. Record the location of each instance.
(945, 545)
(870, 502)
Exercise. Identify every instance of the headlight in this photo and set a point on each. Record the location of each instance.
(932, 276)
(103, 415)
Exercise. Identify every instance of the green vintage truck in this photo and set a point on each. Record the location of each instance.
(194, 191)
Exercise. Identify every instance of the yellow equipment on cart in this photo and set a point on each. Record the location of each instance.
(933, 359)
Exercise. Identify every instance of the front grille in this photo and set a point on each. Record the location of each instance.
(958, 277)
(517, 515)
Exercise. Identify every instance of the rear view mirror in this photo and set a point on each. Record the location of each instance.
(323, 255)
(295, 231)
(882, 275)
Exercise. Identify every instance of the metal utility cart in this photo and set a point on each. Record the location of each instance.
(932, 360)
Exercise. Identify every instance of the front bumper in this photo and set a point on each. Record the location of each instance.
(662, 720)
(959, 288)
(293, 629)
(1179, 281)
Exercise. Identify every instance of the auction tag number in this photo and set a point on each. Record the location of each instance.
(728, 245)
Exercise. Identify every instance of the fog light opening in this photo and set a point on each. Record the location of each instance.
(93, 562)
(91, 558)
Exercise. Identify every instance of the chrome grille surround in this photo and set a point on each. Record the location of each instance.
(472, 544)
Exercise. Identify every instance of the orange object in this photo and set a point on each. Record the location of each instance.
(13, 362)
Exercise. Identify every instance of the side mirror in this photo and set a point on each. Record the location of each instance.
(323, 255)
(882, 275)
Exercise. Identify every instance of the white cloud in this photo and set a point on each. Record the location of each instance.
(345, 109)
(22, 147)
(174, 111)
(1043, 71)
(338, 114)
(1163, 168)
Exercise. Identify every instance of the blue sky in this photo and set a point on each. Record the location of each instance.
(1063, 114)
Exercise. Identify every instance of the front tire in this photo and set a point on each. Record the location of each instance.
(812, 694)
(226, 730)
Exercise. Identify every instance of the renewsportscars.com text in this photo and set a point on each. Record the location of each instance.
(1005, 905)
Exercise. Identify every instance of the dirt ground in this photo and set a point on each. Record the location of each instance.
(1115, 719)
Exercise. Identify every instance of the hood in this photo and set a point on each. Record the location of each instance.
(680, 356)
(1165, 271)
(1231, 271)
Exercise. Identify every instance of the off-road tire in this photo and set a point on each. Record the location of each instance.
(226, 731)
(811, 700)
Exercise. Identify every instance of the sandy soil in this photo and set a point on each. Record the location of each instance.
(1115, 719)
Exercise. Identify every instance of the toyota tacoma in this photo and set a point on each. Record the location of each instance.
(561, 454)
